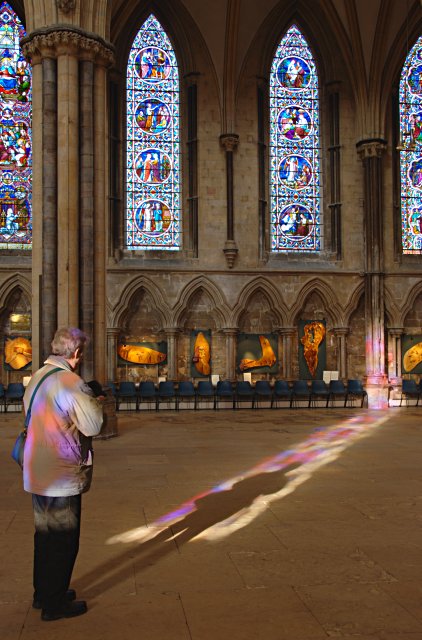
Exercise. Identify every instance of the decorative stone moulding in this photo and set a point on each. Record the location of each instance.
(43, 40)
(229, 141)
(230, 251)
(66, 6)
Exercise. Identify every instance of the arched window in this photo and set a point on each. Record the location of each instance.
(15, 135)
(410, 98)
(153, 130)
(294, 147)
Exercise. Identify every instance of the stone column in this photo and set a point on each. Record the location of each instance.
(230, 334)
(287, 334)
(341, 333)
(395, 354)
(371, 152)
(113, 334)
(67, 183)
(171, 335)
(229, 142)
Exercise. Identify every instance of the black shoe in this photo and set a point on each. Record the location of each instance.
(70, 610)
(70, 595)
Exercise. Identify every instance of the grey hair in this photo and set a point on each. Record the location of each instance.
(67, 340)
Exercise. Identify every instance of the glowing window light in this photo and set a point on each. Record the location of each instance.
(294, 147)
(15, 135)
(321, 447)
(410, 97)
(153, 218)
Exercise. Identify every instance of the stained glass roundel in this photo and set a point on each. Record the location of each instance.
(294, 147)
(410, 96)
(153, 156)
(15, 135)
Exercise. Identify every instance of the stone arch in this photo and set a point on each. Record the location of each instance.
(331, 305)
(134, 288)
(15, 283)
(198, 285)
(353, 302)
(410, 302)
(392, 311)
(260, 286)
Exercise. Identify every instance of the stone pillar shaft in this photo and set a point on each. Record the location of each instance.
(371, 152)
(230, 141)
(287, 334)
(112, 338)
(230, 353)
(341, 334)
(67, 187)
(171, 334)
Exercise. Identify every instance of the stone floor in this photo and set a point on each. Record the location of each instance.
(246, 525)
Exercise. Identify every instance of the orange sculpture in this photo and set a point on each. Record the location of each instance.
(18, 352)
(202, 354)
(314, 334)
(267, 359)
(139, 354)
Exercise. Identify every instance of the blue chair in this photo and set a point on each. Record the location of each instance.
(338, 391)
(186, 393)
(166, 393)
(263, 392)
(300, 391)
(409, 390)
(14, 395)
(127, 394)
(355, 391)
(2, 397)
(319, 391)
(244, 392)
(282, 393)
(205, 392)
(225, 392)
(147, 394)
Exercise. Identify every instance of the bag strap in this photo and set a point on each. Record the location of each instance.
(28, 413)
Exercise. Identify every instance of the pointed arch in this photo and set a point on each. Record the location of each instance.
(11, 285)
(331, 305)
(414, 293)
(353, 302)
(221, 310)
(16, 139)
(153, 172)
(130, 291)
(267, 288)
(295, 211)
(410, 119)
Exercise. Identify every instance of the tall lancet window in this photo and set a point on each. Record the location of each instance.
(153, 216)
(411, 151)
(294, 147)
(15, 135)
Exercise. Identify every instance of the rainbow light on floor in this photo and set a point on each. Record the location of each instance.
(322, 446)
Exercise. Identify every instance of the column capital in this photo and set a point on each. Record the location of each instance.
(286, 331)
(171, 332)
(229, 141)
(341, 331)
(371, 148)
(66, 6)
(57, 40)
(113, 331)
(395, 331)
(230, 331)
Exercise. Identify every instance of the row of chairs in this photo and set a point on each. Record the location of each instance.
(12, 394)
(281, 394)
(410, 390)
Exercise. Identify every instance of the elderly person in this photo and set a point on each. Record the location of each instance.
(58, 469)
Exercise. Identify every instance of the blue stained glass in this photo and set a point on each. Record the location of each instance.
(153, 218)
(15, 135)
(410, 97)
(295, 217)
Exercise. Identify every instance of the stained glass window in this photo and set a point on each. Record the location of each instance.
(153, 162)
(15, 135)
(294, 147)
(411, 150)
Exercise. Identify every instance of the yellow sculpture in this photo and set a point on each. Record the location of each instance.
(202, 355)
(139, 354)
(18, 352)
(412, 357)
(314, 334)
(267, 359)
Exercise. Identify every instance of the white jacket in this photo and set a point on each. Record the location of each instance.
(64, 417)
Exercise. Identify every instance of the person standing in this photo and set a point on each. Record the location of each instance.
(57, 470)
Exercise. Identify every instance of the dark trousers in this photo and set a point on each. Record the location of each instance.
(56, 545)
